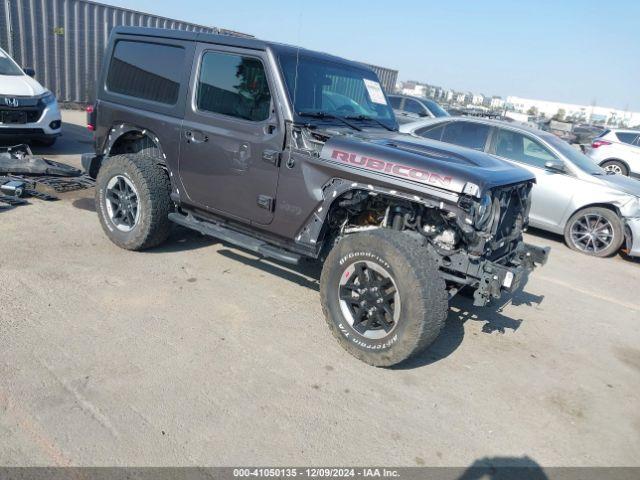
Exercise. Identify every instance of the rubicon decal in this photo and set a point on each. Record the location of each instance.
(396, 169)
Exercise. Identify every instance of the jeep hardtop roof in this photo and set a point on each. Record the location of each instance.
(230, 41)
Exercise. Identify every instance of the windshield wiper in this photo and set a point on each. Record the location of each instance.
(329, 116)
(370, 119)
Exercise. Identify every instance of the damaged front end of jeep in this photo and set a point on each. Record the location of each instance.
(473, 234)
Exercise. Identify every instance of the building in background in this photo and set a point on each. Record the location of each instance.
(573, 112)
(64, 40)
(414, 88)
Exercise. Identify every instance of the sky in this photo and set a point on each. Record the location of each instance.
(570, 51)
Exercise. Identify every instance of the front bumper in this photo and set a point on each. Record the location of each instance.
(632, 237)
(48, 125)
(496, 277)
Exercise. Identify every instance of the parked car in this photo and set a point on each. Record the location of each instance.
(28, 111)
(596, 212)
(617, 151)
(409, 109)
(586, 133)
(295, 154)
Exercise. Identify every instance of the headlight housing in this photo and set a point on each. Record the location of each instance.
(483, 211)
(48, 98)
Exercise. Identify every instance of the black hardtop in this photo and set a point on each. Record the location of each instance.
(230, 41)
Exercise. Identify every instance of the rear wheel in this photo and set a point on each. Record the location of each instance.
(595, 231)
(133, 203)
(615, 166)
(382, 296)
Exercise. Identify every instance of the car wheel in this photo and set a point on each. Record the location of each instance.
(595, 231)
(616, 167)
(132, 200)
(383, 297)
(46, 141)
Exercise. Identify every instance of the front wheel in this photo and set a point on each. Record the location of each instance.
(382, 296)
(595, 231)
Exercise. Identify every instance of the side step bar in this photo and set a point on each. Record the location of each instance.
(235, 238)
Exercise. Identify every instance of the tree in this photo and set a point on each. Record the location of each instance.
(560, 114)
(533, 111)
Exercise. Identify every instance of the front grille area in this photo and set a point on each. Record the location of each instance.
(17, 116)
(514, 203)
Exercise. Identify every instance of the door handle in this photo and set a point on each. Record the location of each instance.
(195, 137)
(271, 156)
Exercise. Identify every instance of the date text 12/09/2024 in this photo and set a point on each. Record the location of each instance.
(315, 472)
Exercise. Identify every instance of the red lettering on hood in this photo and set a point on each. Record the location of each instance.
(395, 169)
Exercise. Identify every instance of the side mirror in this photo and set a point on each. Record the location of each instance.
(423, 114)
(29, 71)
(555, 166)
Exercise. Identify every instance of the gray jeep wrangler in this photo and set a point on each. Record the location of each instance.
(295, 155)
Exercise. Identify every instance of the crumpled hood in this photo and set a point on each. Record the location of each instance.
(428, 162)
(19, 86)
(620, 182)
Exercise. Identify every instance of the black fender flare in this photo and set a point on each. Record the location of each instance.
(309, 234)
(116, 132)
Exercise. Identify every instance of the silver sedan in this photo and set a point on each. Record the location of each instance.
(597, 212)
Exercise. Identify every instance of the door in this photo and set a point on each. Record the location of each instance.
(231, 137)
(553, 191)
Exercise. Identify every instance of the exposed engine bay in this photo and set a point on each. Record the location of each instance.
(481, 229)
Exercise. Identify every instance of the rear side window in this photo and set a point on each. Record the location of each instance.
(627, 137)
(467, 134)
(412, 106)
(434, 133)
(233, 85)
(150, 71)
(395, 102)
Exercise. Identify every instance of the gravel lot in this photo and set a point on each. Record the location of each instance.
(197, 353)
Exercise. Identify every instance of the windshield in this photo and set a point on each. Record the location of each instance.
(574, 155)
(436, 109)
(335, 89)
(8, 66)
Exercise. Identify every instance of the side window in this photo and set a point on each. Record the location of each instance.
(150, 71)
(518, 147)
(412, 106)
(627, 137)
(434, 133)
(467, 134)
(395, 102)
(233, 85)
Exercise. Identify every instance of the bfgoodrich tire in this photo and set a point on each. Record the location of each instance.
(595, 231)
(132, 200)
(382, 296)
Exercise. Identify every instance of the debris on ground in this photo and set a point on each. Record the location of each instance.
(23, 175)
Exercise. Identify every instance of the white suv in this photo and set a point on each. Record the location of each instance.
(617, 151)
(27, 110)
